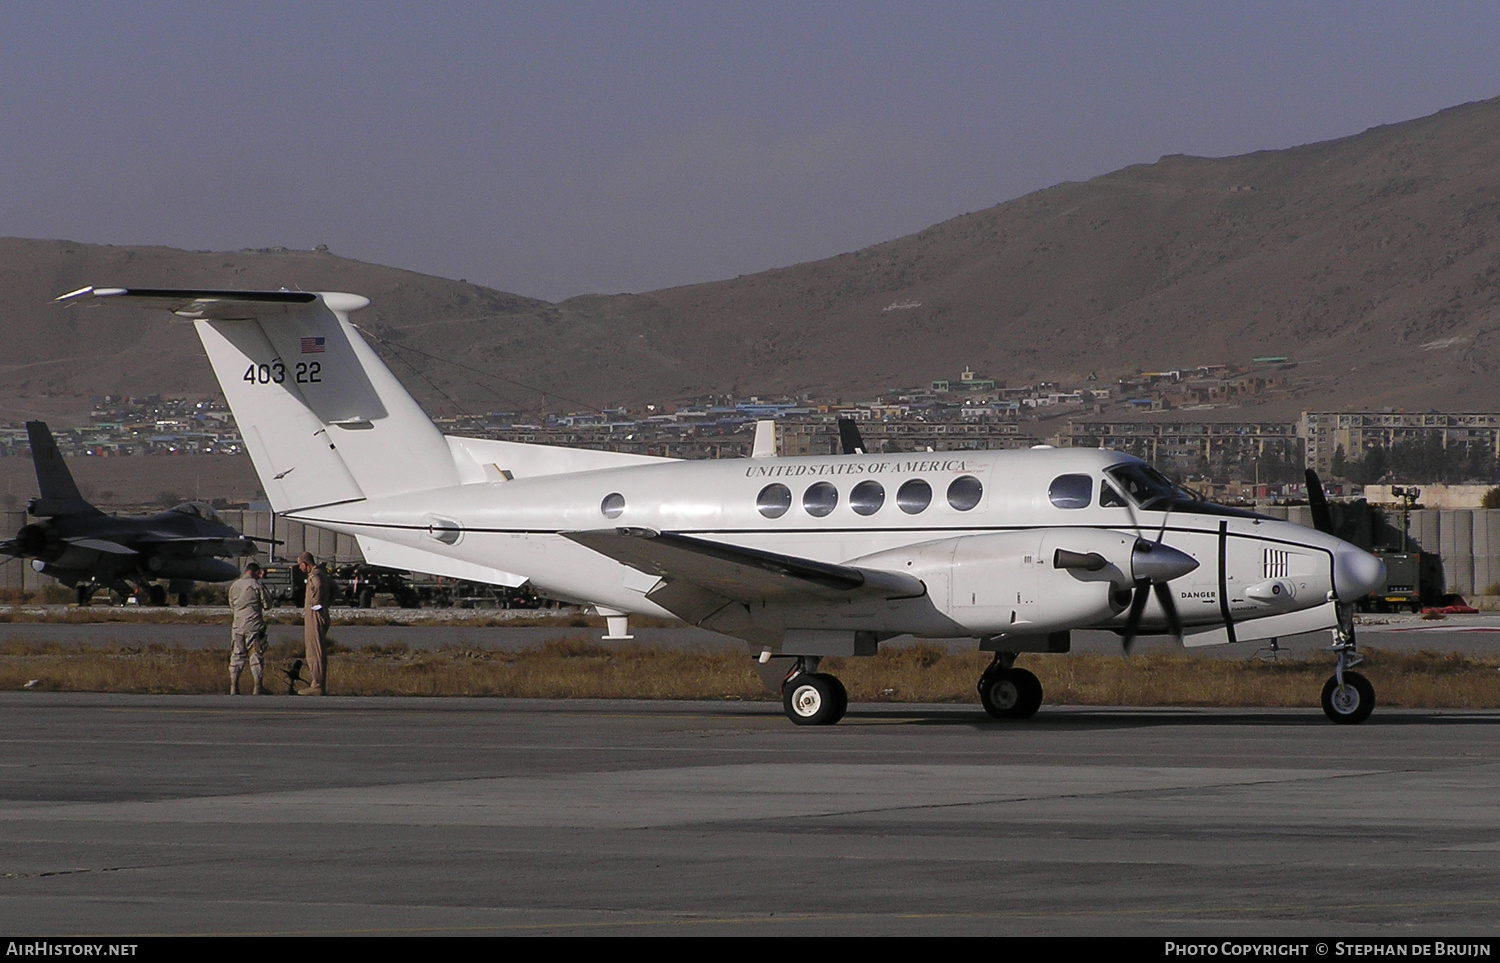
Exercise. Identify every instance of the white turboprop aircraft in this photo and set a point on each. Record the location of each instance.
(802, 557)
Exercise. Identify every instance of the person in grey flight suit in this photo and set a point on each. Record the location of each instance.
(248, 601)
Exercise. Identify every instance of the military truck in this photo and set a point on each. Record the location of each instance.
(1412, 580)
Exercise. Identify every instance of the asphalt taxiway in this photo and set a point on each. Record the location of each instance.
(1468, 634)
(152, 814)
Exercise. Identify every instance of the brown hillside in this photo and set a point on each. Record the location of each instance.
(1368, 260)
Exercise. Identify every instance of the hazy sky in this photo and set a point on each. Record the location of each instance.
(556, 148)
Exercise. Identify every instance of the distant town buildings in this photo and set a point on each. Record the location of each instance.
(1354, 433)
(1191, 422)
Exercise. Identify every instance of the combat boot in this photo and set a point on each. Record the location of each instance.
(234, 682)
(259, 689)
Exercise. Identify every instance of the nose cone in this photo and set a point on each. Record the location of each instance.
(1356, 573)
(1158, 562)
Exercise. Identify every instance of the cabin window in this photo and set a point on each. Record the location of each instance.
(613, 505)
(914, 496)
(774, 500)
(964, 493)
(820, 499)
(1071, 491)
(867, 497)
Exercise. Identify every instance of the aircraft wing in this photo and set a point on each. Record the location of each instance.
(101, 545)
(702, 576)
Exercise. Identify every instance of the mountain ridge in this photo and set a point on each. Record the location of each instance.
(1369, 260)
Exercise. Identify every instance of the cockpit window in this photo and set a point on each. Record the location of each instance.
(1071, 491)
(1109, 498)
(198, 509)
(1146, 486)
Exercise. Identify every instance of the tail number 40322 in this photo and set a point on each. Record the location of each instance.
(308, 372)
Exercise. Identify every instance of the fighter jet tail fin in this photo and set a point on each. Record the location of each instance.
(59, 493)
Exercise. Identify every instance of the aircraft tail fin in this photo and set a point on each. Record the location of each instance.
(322, 417)
(58, 492)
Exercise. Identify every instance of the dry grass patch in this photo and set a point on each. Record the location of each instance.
(578, 667)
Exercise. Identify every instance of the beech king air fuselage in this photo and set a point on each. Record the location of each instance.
(801, 557)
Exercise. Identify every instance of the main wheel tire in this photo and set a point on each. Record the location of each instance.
(1031, 690)
(1351, 704)
(842, 694)
(85, 594)
(814, 699)
(158, 595)
(1010, 693)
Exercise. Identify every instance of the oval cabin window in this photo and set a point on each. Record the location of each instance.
(914, 496)
(867, 497)
(774, 500)
(820, 499)
(965, 492)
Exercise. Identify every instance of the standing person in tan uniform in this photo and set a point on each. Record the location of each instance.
(316, 600)
(248, 601)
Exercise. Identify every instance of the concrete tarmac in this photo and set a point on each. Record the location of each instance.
(147, 814)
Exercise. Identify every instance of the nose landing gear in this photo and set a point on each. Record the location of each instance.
(1348, 697)
(1007, 692)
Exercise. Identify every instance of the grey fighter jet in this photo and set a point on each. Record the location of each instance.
(87, 550)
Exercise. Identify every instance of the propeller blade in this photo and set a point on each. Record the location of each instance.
(1137, 607)
(1318, 502)
(1164, 596)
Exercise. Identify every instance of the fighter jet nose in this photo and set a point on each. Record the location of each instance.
(1159, 563)
(1356, 573)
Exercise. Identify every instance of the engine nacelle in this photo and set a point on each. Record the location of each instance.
(994, 584)
(32, 539)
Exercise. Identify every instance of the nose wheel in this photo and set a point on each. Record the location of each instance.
(1007, 692)
(1351, 702)
(814, 699)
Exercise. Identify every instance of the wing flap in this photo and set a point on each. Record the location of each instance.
(741, 574)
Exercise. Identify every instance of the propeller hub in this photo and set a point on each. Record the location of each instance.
(1158, 563)
(1356, 573)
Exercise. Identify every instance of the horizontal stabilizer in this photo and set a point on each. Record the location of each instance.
(200, 303)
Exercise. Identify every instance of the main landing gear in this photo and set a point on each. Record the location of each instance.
(1348, 697)
(813, 698)
(1008, 692)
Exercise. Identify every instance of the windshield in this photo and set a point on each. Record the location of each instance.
(1147, 487)
(199, 509)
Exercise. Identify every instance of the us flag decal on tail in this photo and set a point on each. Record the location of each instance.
(312, 345)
